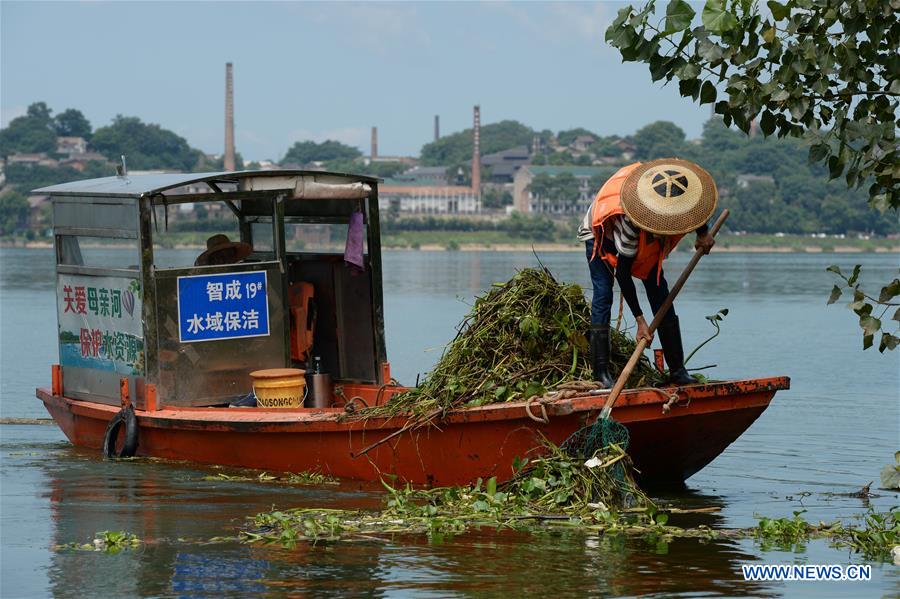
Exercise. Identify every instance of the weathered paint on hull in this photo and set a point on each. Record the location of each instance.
(666, 447)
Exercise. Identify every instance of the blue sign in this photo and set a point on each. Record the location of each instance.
(222, 306)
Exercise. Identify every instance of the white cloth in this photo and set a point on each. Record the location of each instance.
(625, 233)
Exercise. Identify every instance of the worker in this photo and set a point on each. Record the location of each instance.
(221, 250)
(638, 216)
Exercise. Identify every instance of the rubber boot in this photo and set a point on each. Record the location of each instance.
(670, 337)
(600, 350)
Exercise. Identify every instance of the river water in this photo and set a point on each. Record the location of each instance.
(830, 434)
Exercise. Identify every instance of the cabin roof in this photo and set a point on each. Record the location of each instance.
(140, 185)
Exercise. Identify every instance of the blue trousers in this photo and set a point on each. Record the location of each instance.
(602, 276)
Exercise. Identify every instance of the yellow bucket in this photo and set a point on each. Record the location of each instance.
(279, 387)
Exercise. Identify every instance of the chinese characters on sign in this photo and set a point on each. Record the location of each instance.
(100, 323)
(222, 306)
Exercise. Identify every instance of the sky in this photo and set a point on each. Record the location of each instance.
(329, 70)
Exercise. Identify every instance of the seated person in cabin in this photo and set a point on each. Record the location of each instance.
(221, 250)
(639, 215)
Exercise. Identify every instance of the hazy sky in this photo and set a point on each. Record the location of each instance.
(308, 70)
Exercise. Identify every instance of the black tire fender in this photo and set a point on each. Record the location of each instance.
(124, 417)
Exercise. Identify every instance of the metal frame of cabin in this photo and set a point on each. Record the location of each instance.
(133, 209)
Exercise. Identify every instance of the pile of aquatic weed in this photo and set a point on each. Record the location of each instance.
(520, 340)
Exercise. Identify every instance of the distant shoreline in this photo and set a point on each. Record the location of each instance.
(792, 245)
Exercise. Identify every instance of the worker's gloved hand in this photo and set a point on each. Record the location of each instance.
(704, 242)
(643, 330)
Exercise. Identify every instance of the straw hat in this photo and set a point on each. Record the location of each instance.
(221, 250)
(669, 196)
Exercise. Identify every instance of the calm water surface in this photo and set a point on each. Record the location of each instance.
(831, 433)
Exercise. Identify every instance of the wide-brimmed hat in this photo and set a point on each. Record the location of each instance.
(669, 196)
(221, 250)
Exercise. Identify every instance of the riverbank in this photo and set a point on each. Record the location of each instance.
(498, 241)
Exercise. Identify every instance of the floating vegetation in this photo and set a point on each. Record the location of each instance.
(520, 340)
(875, 541)
(288, 478)
(107, 542)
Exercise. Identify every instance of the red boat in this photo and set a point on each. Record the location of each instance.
(165, 350)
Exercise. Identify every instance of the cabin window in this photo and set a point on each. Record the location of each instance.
(262, 237)
(317, 238)
(181, 236)
(97, 252)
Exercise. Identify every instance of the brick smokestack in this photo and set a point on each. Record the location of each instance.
(437, 127)
(476, 150)
(229, 119)
(374, 152)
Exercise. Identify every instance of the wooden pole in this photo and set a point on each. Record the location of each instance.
(657, 318)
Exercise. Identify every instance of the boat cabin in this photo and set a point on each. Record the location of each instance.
(293, 280)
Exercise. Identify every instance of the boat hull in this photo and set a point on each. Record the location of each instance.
(669, 443)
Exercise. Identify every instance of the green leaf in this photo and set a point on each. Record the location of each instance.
(767, 123)
(780, 95)
(896, 315)
(835, 269)
(869, 324)
(689, 87)
(867, 341)
(661, 519)
(835, 295)
(779, 11)
(707, 93)
(889, 291)
(855, 275)
(716, 18)
(491, 487)
(688, 70)
(678, 16)
(817, 153)
(769, 35)
(888, 341)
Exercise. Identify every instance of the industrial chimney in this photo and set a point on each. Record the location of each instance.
(437, 127)
(374, 143)
(476, 151)
(229, 119)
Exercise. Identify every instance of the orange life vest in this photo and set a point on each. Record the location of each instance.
(651, 249)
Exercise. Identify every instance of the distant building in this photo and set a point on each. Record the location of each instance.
(504, 165)
(71, 145)
(427, 199)
(525, 201)
(40, 159)
(80, 160)
(583, 142)
(424, 175)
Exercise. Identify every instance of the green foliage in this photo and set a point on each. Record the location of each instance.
(72, 123)
(145, 146)
(658, 140)
(785, 534)
(561, 190)
(27, 177)
(714, 320)
(382, 170)
(827, 71)
(495, 199)
(457, 148)
(31, 133)
(568, 136)
(13, 211)
(880, 535)
(303, 152)
(890, 474)
(865, 305)
(107, 542)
